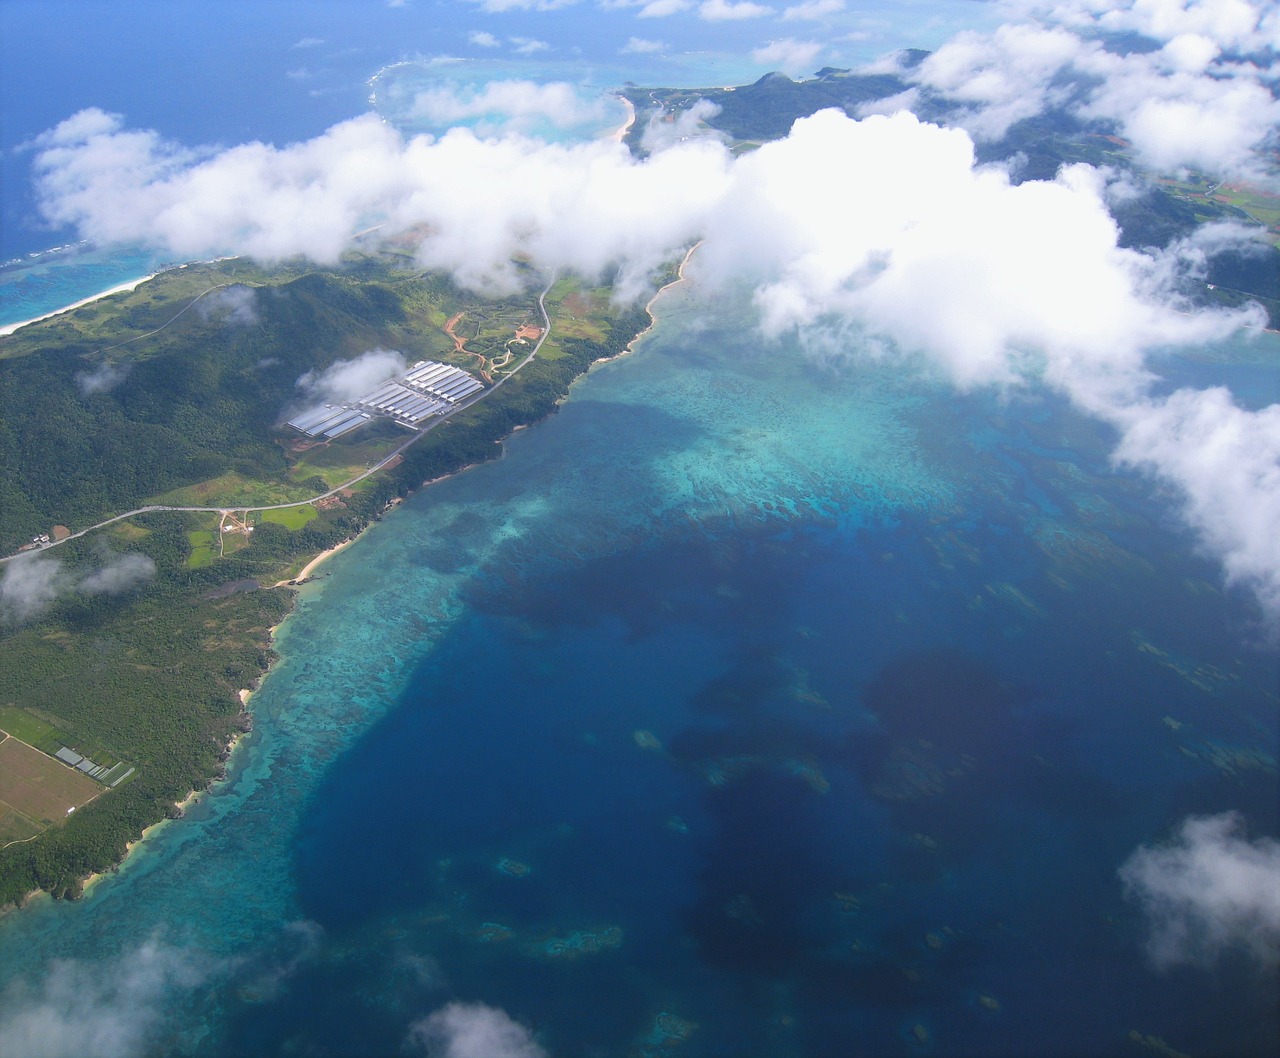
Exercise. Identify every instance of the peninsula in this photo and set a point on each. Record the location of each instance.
(156, 512)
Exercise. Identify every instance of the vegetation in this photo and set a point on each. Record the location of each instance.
(149, 673)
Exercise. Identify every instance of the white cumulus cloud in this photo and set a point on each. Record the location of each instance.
(876, 233)
(1208, 890)
(472, 1030)
(28, 587)
(1203, 98)
(120, 574)
(788, 55)
(731, 10)
(109, 1012)
(349, 379)
(812, 10)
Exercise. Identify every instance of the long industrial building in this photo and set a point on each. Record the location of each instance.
(426, 390)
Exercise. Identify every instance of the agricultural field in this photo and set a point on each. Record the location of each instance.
(291, 517)
(38, 788)
(204, 548)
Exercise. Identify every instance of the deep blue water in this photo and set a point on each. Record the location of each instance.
(745, 707)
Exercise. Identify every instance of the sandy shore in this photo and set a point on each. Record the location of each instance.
(621, 133)
(630, 346)
(311, 566)
(9, 328)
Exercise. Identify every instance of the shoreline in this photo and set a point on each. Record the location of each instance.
(120, 288)
(314, 564)
(245, 694)
(620, 133)
(648, 308)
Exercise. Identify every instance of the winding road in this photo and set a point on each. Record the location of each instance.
(225, 509)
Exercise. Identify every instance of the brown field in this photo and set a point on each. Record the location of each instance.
(37, 786)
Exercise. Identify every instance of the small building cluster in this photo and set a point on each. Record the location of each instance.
(426, 390)
(108, 776)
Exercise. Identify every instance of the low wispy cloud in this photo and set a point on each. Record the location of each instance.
(483, 39)
(28, 587)
(472, 1030)
(268, 973)
(731, 10)
(641, 46)
(116, 1011)
(349, 379)
(791, 56)
(234, 306)
(812, 10)
(102, 379)
(121, 574)
(664, 131)
(508, 105)
(1209, 890)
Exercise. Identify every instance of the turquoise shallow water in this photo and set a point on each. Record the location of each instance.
(747, 706)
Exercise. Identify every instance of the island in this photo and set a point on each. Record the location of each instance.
(173, 458)
(162, 498)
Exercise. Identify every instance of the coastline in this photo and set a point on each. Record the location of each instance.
(648, 307)
(121, 288)
(307, 571)
(620, 133)
(315, 563)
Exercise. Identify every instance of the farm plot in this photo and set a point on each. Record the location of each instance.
(37, 788)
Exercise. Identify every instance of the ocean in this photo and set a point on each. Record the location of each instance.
(750, 705)
(747, 706)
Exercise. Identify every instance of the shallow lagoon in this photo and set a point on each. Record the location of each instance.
(747, 706)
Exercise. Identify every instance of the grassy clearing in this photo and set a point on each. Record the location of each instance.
(203, 549)
(291, 517)
(1263, 208)
(232, 490)
(128, 533)
(550, 350)
(335, 463)
(31, 729)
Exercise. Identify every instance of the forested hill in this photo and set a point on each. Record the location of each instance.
(128, 645)
(92, 427)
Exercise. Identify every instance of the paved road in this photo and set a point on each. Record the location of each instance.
(150, 508)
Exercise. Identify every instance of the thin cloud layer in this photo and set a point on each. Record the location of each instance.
(1209, 890)
(472, 1030)
(82, 1009)
(28, 587)
(349, 379)
(511, 105)
(234, 306)
(121, 574)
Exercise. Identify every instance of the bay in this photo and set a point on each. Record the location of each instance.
(749, 705)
